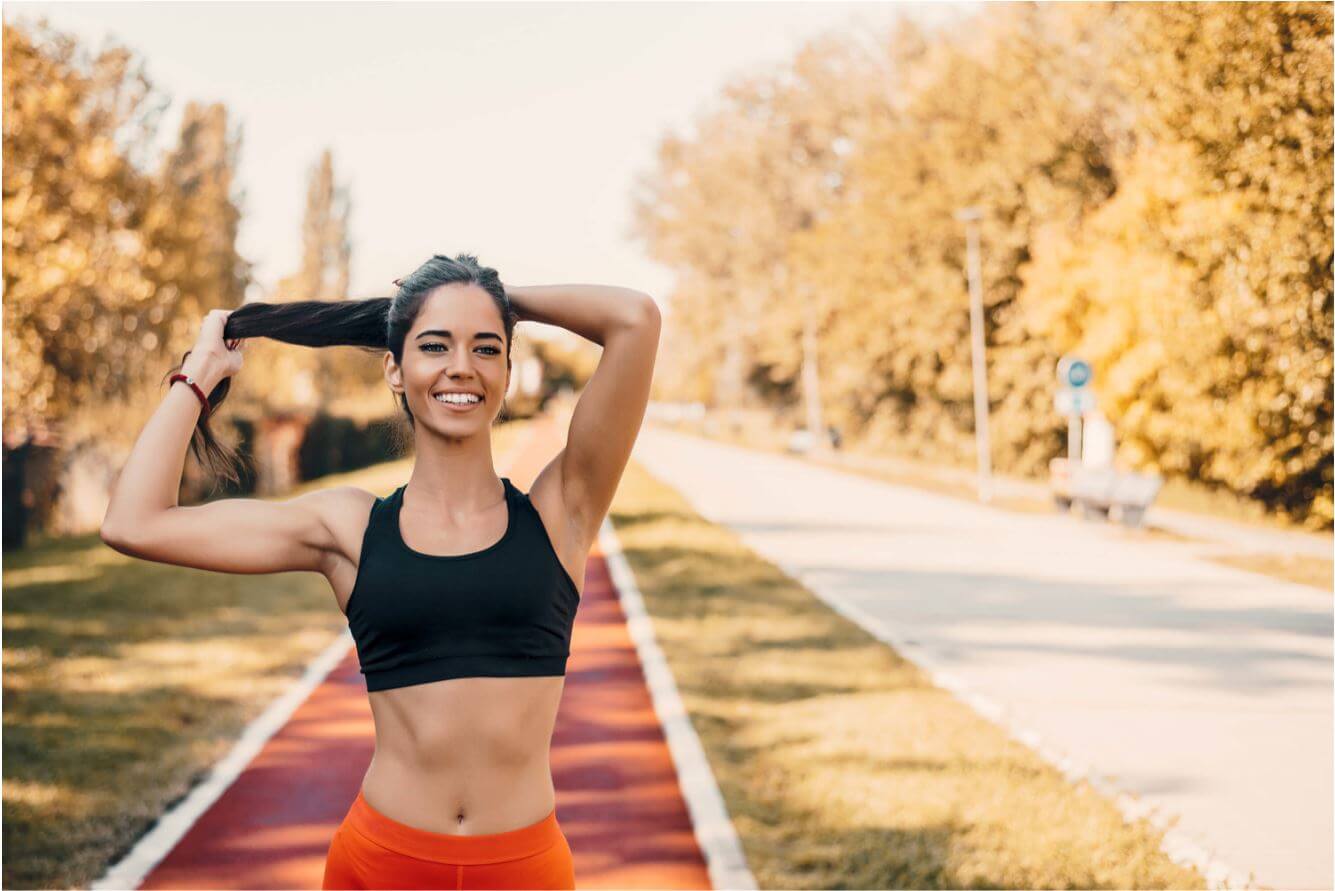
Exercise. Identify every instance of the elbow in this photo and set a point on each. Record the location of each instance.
(112, 537)
(649, 313)
(133, 535)
(637, 314)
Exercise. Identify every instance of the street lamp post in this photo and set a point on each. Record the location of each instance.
(970, 216)
(811, 382)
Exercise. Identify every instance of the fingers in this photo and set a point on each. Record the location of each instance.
(214, 323)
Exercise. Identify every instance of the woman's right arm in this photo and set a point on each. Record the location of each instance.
(241, 535)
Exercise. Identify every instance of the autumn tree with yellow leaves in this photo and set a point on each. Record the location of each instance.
(110, 260)
(1202, 289)
(1155, 181)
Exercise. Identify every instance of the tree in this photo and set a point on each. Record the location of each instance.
(109, 264)
(1155, 181)
(77, 229)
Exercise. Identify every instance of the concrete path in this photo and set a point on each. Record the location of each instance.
(1214, 536)
(617, 793)
(1203, 690)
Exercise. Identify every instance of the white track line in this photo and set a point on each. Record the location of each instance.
(135, 866)
(171, 827)
(1177, 845)
(714, 831)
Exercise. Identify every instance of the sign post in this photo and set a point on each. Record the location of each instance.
(970, 216)
(1074, 398)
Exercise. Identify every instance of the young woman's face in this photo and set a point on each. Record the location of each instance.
(457, 344)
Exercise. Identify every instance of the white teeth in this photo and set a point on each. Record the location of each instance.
(457, 398)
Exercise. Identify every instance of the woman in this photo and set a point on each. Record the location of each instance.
(459, 589)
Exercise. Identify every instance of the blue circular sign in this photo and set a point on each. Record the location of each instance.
(1078, 373)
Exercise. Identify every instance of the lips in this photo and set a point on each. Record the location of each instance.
(459, 407)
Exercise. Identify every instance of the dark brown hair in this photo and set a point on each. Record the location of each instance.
(374, 325)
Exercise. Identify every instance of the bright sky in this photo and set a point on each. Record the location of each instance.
(509, 130)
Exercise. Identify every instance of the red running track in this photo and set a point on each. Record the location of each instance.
(617, 795)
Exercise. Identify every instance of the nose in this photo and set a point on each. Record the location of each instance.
(459, 364)
(460, 374)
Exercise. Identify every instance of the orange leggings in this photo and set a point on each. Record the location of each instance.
(369, 850)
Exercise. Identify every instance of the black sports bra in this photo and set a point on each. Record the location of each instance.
(504, 611)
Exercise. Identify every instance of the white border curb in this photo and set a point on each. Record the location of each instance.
(151, 848)
(714, 831)
(1177, 845)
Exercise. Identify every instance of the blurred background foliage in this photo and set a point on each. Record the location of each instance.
(1155, 186)
(111, 259)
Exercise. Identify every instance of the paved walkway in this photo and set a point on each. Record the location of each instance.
(617, 795)
(1214, 536)
(1204, 690)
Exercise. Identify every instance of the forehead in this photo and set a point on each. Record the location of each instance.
(463, 308)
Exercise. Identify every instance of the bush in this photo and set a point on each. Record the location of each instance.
(334, 445)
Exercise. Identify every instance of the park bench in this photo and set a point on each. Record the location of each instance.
(802, 441)
(1103, 492)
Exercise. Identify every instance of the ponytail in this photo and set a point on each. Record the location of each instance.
(374, 325)
(310, 323)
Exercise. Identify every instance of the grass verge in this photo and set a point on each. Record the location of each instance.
(1314, 572)
(841, 764)
(125, 681)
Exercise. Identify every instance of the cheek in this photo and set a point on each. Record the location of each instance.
(419, 377)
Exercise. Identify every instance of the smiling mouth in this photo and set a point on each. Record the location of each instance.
(459, 405)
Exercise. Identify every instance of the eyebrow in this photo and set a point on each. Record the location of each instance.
(441, 332)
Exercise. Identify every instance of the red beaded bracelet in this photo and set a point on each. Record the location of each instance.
(203, 399)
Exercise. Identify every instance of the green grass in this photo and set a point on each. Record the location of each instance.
(125, 681)
(842, 766)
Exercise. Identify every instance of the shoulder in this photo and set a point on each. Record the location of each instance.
(570, 545)
(548, 500)
(333, 501)
(543, 498)
(344, 511)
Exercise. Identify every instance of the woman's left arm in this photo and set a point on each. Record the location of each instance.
(608, 415)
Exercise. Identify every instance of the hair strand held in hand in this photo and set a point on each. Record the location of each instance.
(374, 325)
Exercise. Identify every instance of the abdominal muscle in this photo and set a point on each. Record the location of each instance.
(464, 756)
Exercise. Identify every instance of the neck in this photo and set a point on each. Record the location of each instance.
(455, 473)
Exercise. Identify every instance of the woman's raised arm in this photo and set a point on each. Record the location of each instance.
(242, 535)
(607, 418)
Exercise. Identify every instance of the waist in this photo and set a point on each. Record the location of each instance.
(464, 770)
(448, 847)
(468, 726)
(462, 666)
(462, 800)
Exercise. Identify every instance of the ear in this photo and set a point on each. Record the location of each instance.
(393, 373)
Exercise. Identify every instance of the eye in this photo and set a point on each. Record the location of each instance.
(427, 347)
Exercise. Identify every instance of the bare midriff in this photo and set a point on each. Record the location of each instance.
(465, 756)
